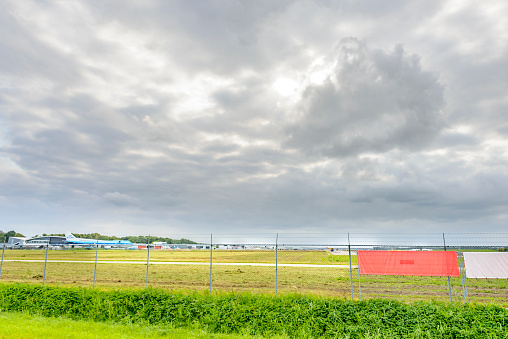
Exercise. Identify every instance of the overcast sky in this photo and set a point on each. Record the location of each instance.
(164, 117)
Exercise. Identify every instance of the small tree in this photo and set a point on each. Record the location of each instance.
(8, 235)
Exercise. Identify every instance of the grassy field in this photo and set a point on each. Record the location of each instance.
(320, 281)
(17, 325)
(219, 256)
(323, 281)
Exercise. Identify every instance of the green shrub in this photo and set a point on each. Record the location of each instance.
(293, 315)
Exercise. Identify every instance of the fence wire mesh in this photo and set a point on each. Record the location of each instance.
(317, 264)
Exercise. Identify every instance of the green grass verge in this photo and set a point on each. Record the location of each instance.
(293, 316)
(27, 326)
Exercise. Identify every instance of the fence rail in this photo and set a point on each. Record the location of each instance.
(320, 264)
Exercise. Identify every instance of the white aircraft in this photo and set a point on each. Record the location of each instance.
(31, 243)
(70, 239)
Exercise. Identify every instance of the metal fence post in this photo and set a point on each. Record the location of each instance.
(449, 283)
(359, 283)
(459, 254)
(147, 260)
(211, 244)
(2, 262)
(276, 264)
(350, 266)
(45, 264)
(465, 279)
(96, 255)
(463, 276)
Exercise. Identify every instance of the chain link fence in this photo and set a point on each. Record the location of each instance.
(316, 264)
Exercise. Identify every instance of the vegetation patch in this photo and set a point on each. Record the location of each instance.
(293, 316)
(18, 325)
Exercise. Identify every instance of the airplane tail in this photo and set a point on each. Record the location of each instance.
(69, 236)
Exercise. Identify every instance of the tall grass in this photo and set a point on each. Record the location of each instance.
(290, 315)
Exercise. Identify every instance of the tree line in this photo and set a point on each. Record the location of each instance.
(4, 236)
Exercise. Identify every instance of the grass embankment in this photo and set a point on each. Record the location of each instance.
(293, 316)
(17, 325)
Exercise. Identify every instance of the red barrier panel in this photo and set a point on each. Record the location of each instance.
(428, 263)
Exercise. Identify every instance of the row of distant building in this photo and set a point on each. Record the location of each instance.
(70, 241)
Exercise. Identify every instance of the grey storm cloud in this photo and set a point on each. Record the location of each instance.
(374, 101)
(232, 116)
